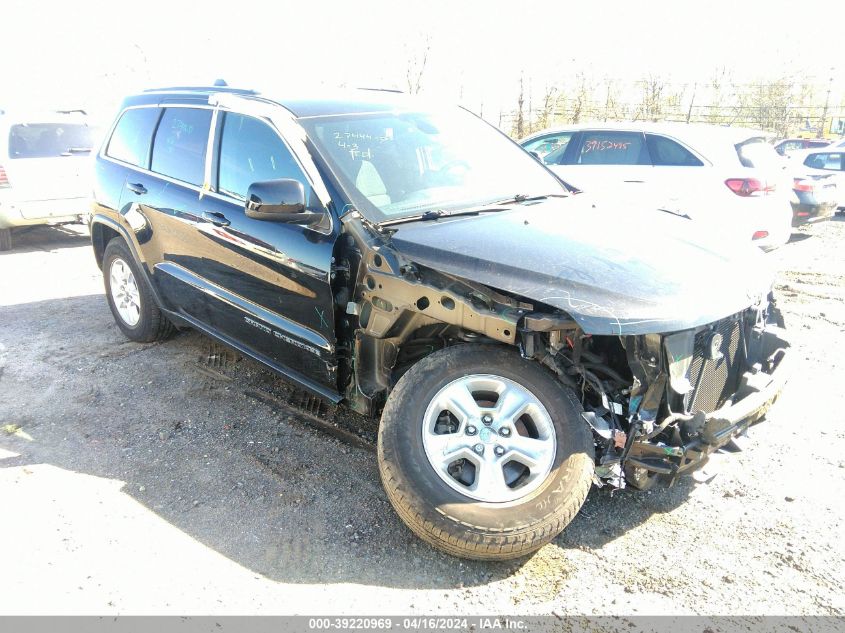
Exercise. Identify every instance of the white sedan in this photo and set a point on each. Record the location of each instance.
(729, 178)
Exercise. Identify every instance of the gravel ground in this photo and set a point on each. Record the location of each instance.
(174, 478)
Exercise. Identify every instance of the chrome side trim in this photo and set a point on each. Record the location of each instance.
(303, 337)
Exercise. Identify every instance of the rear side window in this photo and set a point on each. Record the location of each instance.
(550, 148)
(48, 140)
(612, 148)
(832, 161)
(666, 152)
(132, 136)
(180, 144)
(251, 151)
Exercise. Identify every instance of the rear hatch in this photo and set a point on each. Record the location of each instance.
(769, 167)
(47, 161)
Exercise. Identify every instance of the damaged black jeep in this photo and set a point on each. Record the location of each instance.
(519, 343)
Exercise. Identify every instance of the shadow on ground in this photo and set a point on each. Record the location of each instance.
(250, 480)
(44, 238)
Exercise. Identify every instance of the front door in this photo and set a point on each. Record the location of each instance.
(268, 282)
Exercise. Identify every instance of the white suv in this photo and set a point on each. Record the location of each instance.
(730, 178)
(44, 159)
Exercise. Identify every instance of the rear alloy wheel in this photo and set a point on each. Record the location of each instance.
(124, 292)
(484, 454)
(129, 296)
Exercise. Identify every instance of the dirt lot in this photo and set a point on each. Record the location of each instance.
(172, 478)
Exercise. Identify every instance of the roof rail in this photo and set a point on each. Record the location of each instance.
(395, 90)
(208, 89)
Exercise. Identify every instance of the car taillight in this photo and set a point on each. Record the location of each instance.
(803, 185)
(747, 187)
(4, 179)
(759, 235)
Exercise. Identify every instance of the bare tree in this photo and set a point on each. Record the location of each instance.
(520, 120)
(652, 104)
(546, 117)
(582, 98)
(415, 68)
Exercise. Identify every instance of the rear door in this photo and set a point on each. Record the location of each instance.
(680, 179)
(48, 161)
(161, 201)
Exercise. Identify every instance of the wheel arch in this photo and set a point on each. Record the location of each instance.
(101, 235)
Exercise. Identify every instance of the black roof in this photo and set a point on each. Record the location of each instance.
(346, 101)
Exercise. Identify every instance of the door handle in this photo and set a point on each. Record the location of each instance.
(136, 187)
(216, 218)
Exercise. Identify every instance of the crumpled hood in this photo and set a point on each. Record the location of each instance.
(618, 272)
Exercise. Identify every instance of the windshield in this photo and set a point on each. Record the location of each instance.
(394, 165)
(47, 140)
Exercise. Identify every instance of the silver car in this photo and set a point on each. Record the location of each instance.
(44, 162)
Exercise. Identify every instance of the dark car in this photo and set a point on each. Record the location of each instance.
(790, 145)
(518, 343)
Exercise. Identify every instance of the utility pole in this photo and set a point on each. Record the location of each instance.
(691, 101)
(820, 133)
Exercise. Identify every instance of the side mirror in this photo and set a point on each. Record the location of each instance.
(279, 201)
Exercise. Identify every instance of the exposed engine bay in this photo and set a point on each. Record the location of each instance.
(657, 404)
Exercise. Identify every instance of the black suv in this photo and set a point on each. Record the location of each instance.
(518, 342)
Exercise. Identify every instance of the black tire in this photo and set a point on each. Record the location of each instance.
(152, 324)
(456, 523)
(5, 239)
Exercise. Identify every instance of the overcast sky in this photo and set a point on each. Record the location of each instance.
(90, 52)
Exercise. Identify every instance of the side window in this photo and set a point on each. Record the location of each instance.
(251, 151)
(133, 135)
(666, 152)
(550, 148)
(180, 144)
(612, 148)
(832, 162)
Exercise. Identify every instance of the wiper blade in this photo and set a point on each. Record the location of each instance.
(677, 212)
(490, 207)
(521, 197)
(434, 214)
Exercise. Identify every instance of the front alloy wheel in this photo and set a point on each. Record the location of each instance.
(489, 438)
(484, 454)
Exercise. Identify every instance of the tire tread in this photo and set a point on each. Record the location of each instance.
(158, 327)
(451, 536)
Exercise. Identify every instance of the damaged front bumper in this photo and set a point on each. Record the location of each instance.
(760, 386)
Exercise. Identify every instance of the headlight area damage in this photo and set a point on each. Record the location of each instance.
(658, 404)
